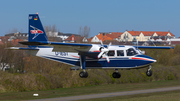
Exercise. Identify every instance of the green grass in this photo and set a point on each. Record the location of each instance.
(88, 90)
(160, 96)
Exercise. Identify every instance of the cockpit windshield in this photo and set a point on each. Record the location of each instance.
(131, 52)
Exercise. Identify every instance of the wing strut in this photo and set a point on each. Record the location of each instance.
(83, 74)
(83, 62)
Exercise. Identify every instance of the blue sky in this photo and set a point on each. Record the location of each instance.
(99, 15)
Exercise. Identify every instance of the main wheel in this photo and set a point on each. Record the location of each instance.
(83, 74)
(116, 75)
(149, 73)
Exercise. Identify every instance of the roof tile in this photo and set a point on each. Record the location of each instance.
(150, 33)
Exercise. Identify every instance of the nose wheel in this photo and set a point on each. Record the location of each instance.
(149, 72)
(116, 74)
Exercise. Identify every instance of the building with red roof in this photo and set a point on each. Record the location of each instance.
(145, 35)
(102, 36)
(76, 38)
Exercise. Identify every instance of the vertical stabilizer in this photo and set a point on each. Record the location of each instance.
(36, 30)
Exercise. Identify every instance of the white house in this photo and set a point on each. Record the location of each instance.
(95, 39)
(145, 35)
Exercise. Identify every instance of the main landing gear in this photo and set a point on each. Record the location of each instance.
(116, 74)
(83, 74)
(149, 72)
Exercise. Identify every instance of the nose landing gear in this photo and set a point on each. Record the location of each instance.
(149, 72)
(116, 74)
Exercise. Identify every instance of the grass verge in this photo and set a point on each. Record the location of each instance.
(160, 96)
(87, 90)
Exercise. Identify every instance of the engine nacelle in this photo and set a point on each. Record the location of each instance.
(90, 54)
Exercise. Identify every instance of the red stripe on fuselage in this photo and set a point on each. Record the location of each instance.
(97, 51)
(138, 58)
(75, 56)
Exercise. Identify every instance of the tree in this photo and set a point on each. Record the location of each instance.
(85, 32)
(5, 56)
(51, 32)
(14, 30)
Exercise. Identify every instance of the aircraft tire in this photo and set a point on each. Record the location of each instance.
(119, 75)
(149, 73)
(83, 74)
(116, 75)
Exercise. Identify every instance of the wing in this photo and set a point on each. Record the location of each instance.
(62, 47)
(155, 47)
(70, 47)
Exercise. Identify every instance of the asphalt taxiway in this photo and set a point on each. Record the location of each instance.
(103, 95)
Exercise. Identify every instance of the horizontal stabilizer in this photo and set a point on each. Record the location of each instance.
(22, 48)
(32, 43)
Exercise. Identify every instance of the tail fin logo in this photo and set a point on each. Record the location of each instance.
(36, 31)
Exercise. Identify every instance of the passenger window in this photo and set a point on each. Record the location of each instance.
(111, 53)
(120, 52)
(131, 52)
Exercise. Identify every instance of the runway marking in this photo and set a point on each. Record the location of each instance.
(103, 95)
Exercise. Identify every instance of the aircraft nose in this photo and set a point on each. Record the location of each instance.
(150, 58)
(146, 58)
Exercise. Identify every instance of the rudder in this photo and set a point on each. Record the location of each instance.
(36, 30)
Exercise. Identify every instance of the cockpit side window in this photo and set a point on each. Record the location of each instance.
(120, 52)
(111, 53)
(131, 52)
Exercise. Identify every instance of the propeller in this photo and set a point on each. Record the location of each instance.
(104, 51)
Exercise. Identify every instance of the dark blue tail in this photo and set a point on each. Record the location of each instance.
(36, 30)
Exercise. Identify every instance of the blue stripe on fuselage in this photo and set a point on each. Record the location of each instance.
(114, 62)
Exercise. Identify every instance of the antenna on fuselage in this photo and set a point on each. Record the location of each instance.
(137, 43)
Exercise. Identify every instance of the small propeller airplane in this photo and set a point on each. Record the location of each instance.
(86, 56)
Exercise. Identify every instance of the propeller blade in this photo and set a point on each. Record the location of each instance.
(104, 51)
(101, 43)
(107, 58)
(100, 54)
(109, 45)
